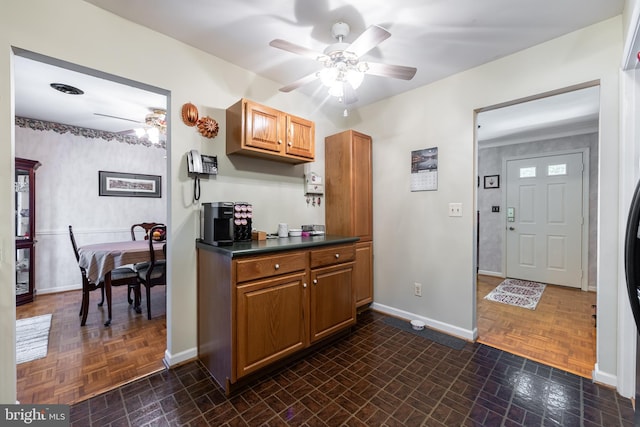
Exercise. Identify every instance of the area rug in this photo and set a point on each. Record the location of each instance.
(32, 338)
(430, 334)
(520, 293)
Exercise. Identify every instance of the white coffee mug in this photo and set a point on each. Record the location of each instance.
(283, 230)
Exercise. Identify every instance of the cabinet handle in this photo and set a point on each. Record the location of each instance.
(277, 266)
(337, 256)
(315, 281)
(279, 141)
(290, 144)
(304, 285)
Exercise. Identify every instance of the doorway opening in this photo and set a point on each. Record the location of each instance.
(560, 122)
(74, 137)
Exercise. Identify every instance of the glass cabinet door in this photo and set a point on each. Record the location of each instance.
(25, 214)
(23, 226)
(23, 278)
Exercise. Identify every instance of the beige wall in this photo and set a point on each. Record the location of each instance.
(415, 240)
(437, 250)
(79, 33)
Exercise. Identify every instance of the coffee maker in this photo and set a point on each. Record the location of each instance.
(218, 223)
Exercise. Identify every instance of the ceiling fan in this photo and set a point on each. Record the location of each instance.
(153, 126)
(343, 69)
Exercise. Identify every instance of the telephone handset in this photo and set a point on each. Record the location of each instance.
(194, 161)
(197, 165)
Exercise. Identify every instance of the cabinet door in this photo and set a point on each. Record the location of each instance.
(332, 300)
(363, 273)
(264, 127)
(362, 203)
(300, 137)
(270, 321)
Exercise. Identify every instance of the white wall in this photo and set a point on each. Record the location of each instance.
(67, 194)
(77, 32)
(436, 250)
(415, 240)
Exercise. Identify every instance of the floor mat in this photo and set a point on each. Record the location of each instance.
(519, 293)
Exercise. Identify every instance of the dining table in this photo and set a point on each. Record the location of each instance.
(101, 258)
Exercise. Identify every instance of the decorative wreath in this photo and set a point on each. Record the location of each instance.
(189, 114)
(208, 127)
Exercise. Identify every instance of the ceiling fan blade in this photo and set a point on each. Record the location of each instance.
(348, 94)
(300, 82)
(116, 117)
(387, 70)
(371, 37)
(297, 49)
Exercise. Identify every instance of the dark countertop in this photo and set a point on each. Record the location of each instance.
(255, 247)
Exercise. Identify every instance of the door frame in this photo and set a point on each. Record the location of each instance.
(585, 207)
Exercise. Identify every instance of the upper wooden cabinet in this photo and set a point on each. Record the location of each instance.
(348, 185)
(260, 131)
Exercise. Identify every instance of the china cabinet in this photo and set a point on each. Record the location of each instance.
(25, 220)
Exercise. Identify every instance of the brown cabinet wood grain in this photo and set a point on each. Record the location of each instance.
(259, 131)
(362, 273)
(332, 304)
(349, 201)
(254, 311)
(270, 320)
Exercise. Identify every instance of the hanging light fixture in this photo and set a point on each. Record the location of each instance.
(156, 125)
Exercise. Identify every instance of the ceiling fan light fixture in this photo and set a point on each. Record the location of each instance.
(158, 120)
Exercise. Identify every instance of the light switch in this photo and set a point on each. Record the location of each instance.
(455, 209)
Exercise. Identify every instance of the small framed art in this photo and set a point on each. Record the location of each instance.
(492, 181)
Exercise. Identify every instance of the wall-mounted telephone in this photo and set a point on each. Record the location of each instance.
(199, 164)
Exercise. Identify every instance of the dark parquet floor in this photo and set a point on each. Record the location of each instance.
(376, 376)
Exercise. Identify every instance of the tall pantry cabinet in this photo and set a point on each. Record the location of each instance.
(348, 202)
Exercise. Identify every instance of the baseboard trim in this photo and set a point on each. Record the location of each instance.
(603, 377)
(466, 334)
(77, 287)
(491, 273)
(171, 360)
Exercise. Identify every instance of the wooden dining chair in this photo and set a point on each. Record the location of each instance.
(155, 273)
(119, 277)
(146, 226)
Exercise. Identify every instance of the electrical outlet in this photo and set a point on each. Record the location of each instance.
(417, 289)
(455, 209)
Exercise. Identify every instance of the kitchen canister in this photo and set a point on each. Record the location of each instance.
(283, 230)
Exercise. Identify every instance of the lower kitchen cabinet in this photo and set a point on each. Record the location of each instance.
(270, 320)
(363, 273)
(254, 311)
(332, 302)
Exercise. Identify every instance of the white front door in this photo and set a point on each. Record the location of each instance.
(545, 219)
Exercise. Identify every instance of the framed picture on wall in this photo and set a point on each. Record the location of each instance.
(492, 181)
(129, 184)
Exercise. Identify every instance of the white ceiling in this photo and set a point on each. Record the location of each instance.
(438, 37)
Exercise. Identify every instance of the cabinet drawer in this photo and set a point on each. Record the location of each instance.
(332, 255)
(266, 266)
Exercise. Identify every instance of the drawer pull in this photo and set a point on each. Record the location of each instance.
(337, 256)
(277, 266)
(315, 281)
